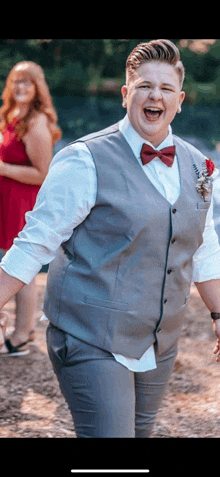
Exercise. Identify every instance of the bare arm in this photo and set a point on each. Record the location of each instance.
(9, 286)
(210, 294)
(39, 148)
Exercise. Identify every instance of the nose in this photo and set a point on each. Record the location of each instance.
(20, 86)
(155, 94)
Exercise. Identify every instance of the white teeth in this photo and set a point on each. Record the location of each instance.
(154, 109)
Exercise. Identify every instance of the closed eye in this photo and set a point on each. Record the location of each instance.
(144, 86)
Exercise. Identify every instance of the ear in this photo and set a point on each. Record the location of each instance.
(124, 91)
(181, 99)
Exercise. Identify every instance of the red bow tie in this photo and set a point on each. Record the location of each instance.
(166, 155)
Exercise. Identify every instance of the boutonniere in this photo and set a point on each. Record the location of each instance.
(203, 185)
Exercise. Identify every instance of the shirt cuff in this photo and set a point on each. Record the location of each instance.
(20, 265)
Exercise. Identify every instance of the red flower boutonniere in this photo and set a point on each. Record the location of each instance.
(210, 166)
(203, 185)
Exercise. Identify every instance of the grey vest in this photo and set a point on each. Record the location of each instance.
(123, 278)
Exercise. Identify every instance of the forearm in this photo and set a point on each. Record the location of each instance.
(9, 286)
(210, 294)
(24, 174)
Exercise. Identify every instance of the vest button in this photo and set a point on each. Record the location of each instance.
(174, 211)
(169, 271)
(173, 240)
(159, 329)
(165, 301)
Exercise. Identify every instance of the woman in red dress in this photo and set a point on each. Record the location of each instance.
(28, 132)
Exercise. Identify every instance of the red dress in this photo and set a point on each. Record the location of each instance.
(15, 198)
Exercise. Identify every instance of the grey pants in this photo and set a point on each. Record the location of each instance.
(104, 397)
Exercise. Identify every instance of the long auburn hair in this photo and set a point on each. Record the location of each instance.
(42, 101)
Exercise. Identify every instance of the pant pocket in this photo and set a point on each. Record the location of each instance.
(56, 344)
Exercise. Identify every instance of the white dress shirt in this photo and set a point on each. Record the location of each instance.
(66, 198)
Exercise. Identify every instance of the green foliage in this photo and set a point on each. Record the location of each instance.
(70, 65)
(202, 74)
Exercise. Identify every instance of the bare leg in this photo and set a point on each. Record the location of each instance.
(25, 313)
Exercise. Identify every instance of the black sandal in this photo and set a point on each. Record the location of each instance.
(14, 350)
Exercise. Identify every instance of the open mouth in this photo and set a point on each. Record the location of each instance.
(152, 113)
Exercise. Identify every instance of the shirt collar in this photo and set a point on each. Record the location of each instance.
(136, 142)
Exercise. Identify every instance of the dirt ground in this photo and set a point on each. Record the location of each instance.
(31, 404)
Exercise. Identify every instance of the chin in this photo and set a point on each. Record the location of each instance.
(151, 132)
(155, 129)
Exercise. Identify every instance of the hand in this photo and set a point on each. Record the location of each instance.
(216, 327)
(3, 325)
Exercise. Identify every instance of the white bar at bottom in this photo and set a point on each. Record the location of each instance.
(113, 471)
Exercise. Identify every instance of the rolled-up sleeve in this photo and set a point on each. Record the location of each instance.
(206, 260)
(63, 202)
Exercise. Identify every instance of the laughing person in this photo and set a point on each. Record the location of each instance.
(123, 219)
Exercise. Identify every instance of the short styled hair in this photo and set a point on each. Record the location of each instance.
(155, 50)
